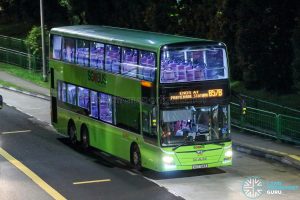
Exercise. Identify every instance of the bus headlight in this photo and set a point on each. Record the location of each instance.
(168, 159)
(228, 153)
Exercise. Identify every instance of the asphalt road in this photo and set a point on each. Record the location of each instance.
(60, 165)
(57, 163)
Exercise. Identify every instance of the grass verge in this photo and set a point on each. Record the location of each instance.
(7, 84)
(25, 74)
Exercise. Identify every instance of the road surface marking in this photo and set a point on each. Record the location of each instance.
(35, 178)
(131, 173)
(295, 157)
(95, 181)
(23, 131)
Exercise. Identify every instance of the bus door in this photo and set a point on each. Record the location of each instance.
(149, 123)
(215, 122)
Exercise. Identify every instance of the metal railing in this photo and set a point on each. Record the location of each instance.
(281, 127)
(269, 106)
(20, 59)
(13, 44)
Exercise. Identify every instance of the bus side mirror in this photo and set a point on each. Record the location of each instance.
(1, 102)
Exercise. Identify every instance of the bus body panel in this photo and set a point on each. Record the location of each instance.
(110, 138)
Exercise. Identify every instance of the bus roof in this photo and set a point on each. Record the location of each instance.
(123, 37)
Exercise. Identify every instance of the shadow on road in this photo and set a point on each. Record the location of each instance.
(181, 174)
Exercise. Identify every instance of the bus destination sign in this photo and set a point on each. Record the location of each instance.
(196, 94)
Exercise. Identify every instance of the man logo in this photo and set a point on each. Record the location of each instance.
(199, 152)
(199, 159)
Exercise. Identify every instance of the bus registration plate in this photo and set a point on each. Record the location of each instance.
(200, 166)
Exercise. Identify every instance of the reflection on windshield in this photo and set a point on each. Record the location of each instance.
(192, 124)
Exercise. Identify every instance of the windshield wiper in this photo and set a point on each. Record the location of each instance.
(185, 142)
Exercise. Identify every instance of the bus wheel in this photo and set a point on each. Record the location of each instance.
(85, 141)
(72, 133)
(136, 157)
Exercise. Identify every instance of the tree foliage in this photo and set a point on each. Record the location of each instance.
(257, 33)
(34, 41)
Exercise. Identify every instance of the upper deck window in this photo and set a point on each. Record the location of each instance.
(147, 66)
(129, 62)
(82, 52)
(193, 64)
(112, 58)
(56, 47)
(97, 55)
(68, 53)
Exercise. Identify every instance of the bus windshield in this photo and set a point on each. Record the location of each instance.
(195, 124)
(193, 64)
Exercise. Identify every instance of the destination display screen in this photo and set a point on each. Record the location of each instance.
(196, 94)
(199, 94)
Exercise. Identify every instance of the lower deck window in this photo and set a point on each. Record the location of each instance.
(94, 104)
(71, 94)
(64, 92)
(106, 113)
(83, 97)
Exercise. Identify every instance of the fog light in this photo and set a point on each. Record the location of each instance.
(168, 159)
(228, 153)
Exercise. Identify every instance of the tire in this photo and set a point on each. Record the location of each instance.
(72, 133)
(85, 139)
(135, 155)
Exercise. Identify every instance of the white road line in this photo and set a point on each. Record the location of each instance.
(94, 181)
(131, 173)
(9, 132)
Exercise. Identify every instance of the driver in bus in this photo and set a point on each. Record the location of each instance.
(184, 128)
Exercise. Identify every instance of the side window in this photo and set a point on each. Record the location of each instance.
(106, 108)
(125, 120)
(71, 94)
(68, 53)
(94, 104)
(147, 66)
(216, 64)
(112, 58)
(56, 47)
(83, 98)
(59, 90)
(82, 52)
(97, 55)
(64, 92)
(129, 62)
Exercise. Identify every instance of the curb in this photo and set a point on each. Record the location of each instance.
(291, 160)
(44, 97)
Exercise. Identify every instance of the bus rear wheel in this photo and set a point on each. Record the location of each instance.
(136, 157)
(85, 141)
(72, 133)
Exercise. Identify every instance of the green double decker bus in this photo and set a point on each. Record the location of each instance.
(155, 100)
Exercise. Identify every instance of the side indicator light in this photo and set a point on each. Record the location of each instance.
(146, 83)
